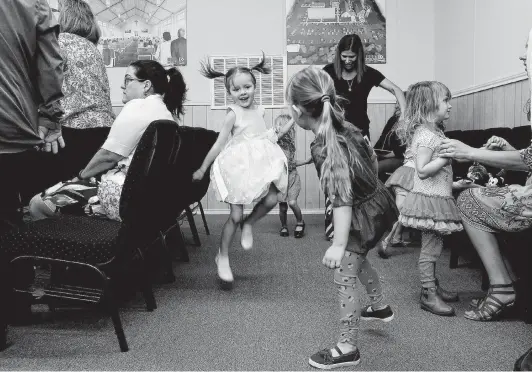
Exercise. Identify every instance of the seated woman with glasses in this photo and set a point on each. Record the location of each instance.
(150, 93)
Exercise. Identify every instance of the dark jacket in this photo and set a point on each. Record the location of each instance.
(31, 73)
(389, 140)
(178, 49)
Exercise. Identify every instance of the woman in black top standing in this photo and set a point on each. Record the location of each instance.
(354, 80)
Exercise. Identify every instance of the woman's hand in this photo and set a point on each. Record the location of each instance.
(333, 256)
(498, 144)
(455, 149)
(464, 184)
(198, 175)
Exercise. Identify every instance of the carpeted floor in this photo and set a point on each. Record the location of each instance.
(282, 309)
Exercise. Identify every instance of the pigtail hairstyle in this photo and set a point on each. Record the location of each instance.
(313, 89)
(261, 66)
(170, 84)
(210, 73)
(422, 102)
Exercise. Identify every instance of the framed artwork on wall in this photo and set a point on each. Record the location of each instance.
(314, 28)
(141, 29)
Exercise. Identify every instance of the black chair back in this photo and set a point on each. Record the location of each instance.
(149, 194)
(195, 145)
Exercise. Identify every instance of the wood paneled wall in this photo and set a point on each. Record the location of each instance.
(502, 106)
(311, 198)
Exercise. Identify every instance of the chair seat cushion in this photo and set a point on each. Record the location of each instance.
(67, 237)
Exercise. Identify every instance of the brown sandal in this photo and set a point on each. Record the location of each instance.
(491, 308)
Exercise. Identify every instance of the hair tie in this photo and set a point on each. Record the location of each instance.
(168, 77)
(325, 98)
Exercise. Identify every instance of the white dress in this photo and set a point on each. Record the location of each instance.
(250, 162)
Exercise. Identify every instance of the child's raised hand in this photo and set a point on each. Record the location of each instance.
(333, 256)
(198, 175)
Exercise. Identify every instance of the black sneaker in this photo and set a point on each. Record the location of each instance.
(385, 314)
(324, 360)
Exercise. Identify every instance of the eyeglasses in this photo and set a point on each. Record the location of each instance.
(128, 80)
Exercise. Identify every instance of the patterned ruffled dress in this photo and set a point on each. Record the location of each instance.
(250, 162)
(430, 204)
(403, 176)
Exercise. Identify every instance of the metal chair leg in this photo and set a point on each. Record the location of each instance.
(192, 224)
(147, 289)
(203, 218)
(168, 274)
(115, 316)
(181, 247)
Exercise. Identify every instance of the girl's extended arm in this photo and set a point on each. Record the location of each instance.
(228, 124)
(424, 166)
(342, 225)
(285, 128)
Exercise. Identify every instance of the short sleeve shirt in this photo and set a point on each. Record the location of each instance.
(357, 106)
(131, 123)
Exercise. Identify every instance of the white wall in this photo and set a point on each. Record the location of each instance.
(479, 41)
(245, 27)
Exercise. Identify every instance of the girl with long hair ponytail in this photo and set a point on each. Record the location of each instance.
(364, 210)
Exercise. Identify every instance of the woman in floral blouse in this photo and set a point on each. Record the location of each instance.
(87, 103)
(489, 210)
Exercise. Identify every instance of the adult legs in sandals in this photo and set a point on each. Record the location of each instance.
(228, 232)
(431, 298)
(260, 210)
(346, 353)
(501, 294)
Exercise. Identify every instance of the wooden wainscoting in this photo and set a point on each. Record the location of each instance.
(502, 106)
(310, 199)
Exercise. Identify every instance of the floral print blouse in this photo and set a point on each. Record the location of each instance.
(87, 100)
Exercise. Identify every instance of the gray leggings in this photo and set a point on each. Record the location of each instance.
(354, 266)
(431, 248)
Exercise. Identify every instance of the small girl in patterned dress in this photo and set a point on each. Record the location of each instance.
(288, 145)
(429, 206)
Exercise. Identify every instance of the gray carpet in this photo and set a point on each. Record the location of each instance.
(282, 309)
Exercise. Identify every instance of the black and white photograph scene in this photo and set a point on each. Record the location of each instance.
(302, 185)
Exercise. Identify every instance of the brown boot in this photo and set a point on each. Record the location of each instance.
(432, 302)
(445, 295)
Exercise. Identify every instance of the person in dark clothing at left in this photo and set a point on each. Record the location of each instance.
(30, 92)
(179, 48)
(389, 148)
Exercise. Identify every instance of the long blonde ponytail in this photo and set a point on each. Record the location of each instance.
(335, 171)
(313, 89)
